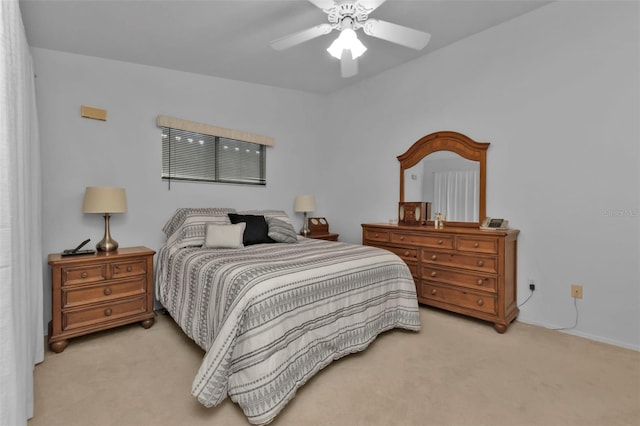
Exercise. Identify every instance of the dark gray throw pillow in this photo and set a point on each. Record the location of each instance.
(256, 231)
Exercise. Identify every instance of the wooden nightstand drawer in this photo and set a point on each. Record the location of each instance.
(478, 245)
(477, 263)
(98, 314)
(84, 274)
(128, 269)
(78, 296)
(459, 297)
(470, 280)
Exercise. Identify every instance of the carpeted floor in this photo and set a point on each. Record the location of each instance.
(456, 371)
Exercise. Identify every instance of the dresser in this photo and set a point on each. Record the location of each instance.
(99, 291)
(460, 269)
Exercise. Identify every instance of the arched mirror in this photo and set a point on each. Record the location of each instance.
(447, 169)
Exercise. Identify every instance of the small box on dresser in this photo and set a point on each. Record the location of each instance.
(99, 291)
(463, 270)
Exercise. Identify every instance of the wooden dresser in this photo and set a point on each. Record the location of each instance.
(464, 270)
(99, 291)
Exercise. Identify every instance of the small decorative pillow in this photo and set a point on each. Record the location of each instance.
(256, 231)
(281, 231)
(224, 236)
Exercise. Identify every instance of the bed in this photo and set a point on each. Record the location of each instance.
(271, 314)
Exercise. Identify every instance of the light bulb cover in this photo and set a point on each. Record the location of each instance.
(347, 40)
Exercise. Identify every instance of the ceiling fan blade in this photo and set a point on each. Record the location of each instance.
(348, 65)
(300, 37)
(396, 33)
(323, 4)
(371, 5)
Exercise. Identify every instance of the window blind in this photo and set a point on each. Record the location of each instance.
(193, 156)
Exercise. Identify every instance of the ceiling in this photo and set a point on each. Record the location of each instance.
(230, 39)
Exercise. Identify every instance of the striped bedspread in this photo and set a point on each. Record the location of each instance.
(270, 316)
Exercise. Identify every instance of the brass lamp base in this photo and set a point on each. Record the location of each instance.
(107, 243)
(305, 226)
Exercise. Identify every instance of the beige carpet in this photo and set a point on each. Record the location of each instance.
(456, 371)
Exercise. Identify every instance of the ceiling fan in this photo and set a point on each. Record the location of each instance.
(347, 17)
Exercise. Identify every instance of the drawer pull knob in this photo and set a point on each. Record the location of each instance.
(401, 237)
(480, 281)
(107, 312)
(476, 245)
(480, 263)
(407, 253)
(129, 268)
(440, 241)
(107, 291)
(84, 275)
(433, 274)
(434, 257)
(480, 302)
(433, 291)
(376, 235)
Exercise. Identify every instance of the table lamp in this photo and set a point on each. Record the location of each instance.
(305, 203)
(105, 200)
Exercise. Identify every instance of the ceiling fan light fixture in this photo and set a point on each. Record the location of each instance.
(347, 40)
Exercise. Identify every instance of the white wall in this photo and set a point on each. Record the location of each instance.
(125, 150)
(556, 92)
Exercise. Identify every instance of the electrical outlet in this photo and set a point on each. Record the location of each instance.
(576, 291)
(532, 284)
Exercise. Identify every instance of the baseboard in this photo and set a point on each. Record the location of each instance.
(583, 335)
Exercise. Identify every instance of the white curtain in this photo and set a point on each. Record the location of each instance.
(21, 262)
(456, 195)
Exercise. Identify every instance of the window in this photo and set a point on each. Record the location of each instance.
(193, 156)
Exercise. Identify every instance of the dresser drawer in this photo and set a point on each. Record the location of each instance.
(405, 253)
(478, 244)
(376, 235)
(77, 296)
(445, 241)
(477, 263)
(459, 297)
(413, 267)
(128, 269)
(469, 280)
(84, 274)
(78, 318)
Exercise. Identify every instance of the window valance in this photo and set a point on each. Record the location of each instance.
(208, 129)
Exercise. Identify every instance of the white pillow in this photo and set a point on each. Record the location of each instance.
(224, 236)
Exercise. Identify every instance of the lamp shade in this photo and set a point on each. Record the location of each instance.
(104, 199)
(305, 203)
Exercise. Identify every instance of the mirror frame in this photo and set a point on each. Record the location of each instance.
(461, 145)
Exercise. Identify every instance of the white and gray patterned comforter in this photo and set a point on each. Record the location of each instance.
(270, 316)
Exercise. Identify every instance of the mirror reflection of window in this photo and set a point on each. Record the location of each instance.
(452, 184)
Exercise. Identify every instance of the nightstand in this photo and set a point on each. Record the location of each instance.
(328, 237)
(99, 291)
